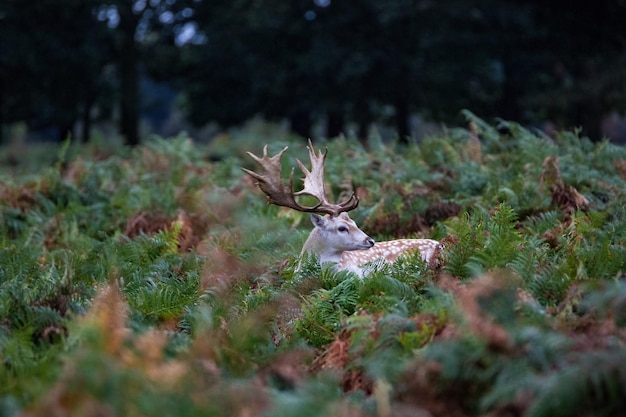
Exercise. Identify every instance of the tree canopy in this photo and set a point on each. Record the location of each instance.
(66, 61)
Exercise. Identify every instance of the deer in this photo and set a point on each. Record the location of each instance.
(335, 237)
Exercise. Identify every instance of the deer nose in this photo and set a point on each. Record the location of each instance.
(370, 242)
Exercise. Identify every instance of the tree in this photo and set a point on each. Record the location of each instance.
(56, 56)
(127, 58)
(241, 68)
(50, 64)
(305, 60)
(585, 51)
(130, 23)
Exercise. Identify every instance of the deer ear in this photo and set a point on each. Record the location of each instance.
(318, 221)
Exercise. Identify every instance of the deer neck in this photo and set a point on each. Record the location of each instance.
(315, 245)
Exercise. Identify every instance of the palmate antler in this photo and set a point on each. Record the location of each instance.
(271, 183)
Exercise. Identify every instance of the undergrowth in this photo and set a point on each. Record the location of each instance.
(156, 281)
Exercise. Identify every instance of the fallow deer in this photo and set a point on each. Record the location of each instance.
(335, 238)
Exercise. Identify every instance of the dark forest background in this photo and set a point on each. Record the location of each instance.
(67, 66)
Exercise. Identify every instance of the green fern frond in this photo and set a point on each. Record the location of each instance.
(306, 266)
(543, 222)
(530, 257)
(486, 131)
(411, 269)
(324, 310)
(549, 285)
(467, 230)
(483, 242)
(465, 361)
(602, 259)
(169, 238)
(531, 148)
(609, 301)
(381, 292)
(592, 384)
(165, 301)
(163, 289)
(474, 180)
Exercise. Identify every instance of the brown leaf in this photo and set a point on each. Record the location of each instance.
(109, 313)
(441, 211)
(620, 165)
(468, 295)
(473, 147)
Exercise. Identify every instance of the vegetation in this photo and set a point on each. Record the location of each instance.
(66, 65)
(153, 281)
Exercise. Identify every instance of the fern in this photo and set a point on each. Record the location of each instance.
(306, 266)
(61, 238)
(467, 367)
(593, 384)
(487, 132)
(550, 285)
(165, 288)
(530, 148)
(502, 241)
(412, 270)
(609, 301)
(375, 344)
(602, 259)
(467, 231)
(316, 396)
(324, 310)
(381, 292)
(543, 222)
(484, 242)
(474, 180)
(530, 258)
(165, 300)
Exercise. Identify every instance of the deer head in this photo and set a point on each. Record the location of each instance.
(335, 232)
(332, 236)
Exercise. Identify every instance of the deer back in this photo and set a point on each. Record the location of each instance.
(389, 252)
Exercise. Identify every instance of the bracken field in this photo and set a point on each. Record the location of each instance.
(156, 281)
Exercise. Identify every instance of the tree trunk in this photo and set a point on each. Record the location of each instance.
(65, 131)
(363, 120)
(129, 75)
(300, 122)
(402, 120)
(1, 113)
(508, 105)
(335, 124)
(588, 117)
(85, 135)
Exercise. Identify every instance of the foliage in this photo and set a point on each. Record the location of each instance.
(308, 61)
(156, 282)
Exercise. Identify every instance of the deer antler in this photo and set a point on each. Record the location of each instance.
(278, 193)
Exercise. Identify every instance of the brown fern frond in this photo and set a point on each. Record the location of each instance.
(473, 147)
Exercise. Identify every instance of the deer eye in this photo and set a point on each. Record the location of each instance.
(342, 229)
